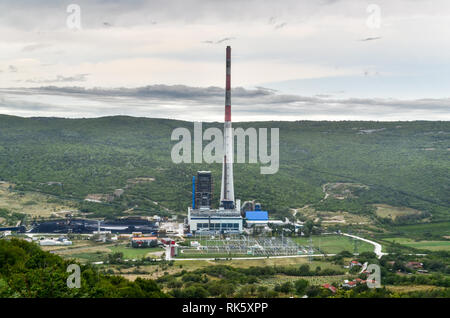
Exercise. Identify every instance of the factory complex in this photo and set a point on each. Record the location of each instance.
(230, 217)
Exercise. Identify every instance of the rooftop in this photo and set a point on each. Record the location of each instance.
(257, 215)
(215, 213)
(144, 238)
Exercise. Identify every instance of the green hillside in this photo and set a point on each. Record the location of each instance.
(399, 163)
(28, 272)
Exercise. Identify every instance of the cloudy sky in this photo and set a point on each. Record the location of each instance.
(291, 60)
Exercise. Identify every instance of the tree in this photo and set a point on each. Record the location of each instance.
(309, 227)
(304, 270)
(313, 291)
(286, 287)
(300, 286)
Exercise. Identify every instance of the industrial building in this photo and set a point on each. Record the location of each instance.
(256, 218)
(214, 221)
(69, 225)
(227, 219)
(55, 242)
(203, 190)
(144, 241)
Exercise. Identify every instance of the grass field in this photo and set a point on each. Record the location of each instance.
(31, 203)
(332, 244)
(313, 280)
(441, 228)
(411, 288)
(426, 245)
(88, 251)
(332, 217)
(392, 212)
(134, 253)
(88, 257)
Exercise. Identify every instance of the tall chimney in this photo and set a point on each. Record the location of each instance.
(228, 86)
(227, 189)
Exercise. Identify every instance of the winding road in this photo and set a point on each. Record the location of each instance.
(377, 246)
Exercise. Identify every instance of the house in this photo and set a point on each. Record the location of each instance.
(330, 287)
(355, 263)
(353, 283)
(349, 284)
(414, 265)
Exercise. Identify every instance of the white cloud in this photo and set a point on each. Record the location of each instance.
(274, 42)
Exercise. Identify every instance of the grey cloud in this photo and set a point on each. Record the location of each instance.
(280, 25)
(34, 47)
(224, 40)
(60, 79)
(276, 25)
(27, 106)
(165, 92)
(206, 103)
(244, 96)
(219, 41)
(370, 38)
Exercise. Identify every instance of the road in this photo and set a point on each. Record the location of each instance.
(377, 246)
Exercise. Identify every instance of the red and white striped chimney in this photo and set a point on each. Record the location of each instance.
(227, 189)
(228, 87)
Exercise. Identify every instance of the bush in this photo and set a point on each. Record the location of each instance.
(300, 286)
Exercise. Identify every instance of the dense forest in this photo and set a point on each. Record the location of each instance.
(27, 271)
(401, 163)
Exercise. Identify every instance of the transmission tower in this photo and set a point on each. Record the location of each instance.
(311, 249)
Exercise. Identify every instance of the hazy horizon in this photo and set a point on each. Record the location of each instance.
(220, 122)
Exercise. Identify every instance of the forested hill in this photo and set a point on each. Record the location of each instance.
(401, 163)
(28, 272)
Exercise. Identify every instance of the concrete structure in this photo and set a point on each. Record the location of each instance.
(221, 221)
(227, 188)
(226, 219)
(53, 242)
(203, 188)
(144, 241)
(256, 218)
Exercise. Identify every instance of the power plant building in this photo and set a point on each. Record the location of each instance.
(226, 219)
(203, 190)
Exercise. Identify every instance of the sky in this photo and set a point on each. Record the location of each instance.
(291, 59)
